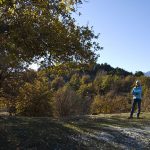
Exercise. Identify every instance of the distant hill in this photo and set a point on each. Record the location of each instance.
(111, 70)
(147, 74)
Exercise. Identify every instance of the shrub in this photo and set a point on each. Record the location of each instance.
(110, 104)
(57, 83)
(146, 101)
(127, 84)
(75, 81)
(85, 79)
(35, 99)
(86, 90)
(98, 84)
(66, 102)
(98, 105)
(103, 84)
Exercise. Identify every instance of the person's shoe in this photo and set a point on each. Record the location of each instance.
(130, 117)
(138, 117)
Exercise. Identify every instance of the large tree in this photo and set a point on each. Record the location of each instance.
(42, 30)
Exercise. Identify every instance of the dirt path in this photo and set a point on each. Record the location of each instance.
(113, 133)
(116, 137)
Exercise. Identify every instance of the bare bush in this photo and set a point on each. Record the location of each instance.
(146, 101)
(110, 104)
(66, 102)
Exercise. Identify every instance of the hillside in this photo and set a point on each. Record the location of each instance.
(147, 74)
(84, 132)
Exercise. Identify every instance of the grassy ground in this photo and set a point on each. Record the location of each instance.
(84, 132)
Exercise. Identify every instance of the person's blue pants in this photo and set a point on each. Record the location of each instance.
(138, 103)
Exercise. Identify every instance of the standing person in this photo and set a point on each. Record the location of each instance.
(137, 97)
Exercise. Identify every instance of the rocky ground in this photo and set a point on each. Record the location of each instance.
(113, 132)
(106, 132)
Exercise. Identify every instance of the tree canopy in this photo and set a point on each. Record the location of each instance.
(31, 30)
(42, 31)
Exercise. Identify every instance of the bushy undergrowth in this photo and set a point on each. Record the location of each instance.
(110, 104)
(35, 99)
(61, 96)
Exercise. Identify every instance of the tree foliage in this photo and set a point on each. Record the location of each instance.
(34, 99)
(31, 30)
(43, 32)
(139, 73)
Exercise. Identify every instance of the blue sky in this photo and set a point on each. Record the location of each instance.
(124, 27)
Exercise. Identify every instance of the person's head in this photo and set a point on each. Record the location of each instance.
(137, 83)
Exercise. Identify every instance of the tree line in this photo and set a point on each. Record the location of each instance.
(60, 92)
